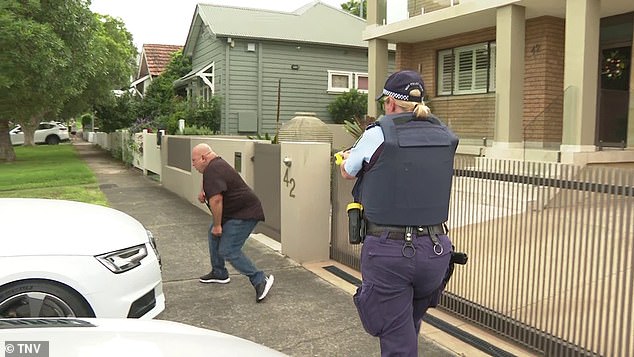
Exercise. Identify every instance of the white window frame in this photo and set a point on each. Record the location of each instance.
(356, 81)
(453, 74)
(353, 81)
(339, 89)
(445, 77)
(492, 66)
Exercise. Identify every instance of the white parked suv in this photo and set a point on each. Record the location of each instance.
(46, 133)
(104, 264)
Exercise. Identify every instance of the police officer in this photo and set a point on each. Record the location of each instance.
(403, 165)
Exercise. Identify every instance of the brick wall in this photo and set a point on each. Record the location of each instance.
(473, 116)
(469, 116)
(544, 79)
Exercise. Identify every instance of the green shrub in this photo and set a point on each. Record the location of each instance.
(348, 105)
(195, 130)
(258, 136)
(86, 120)
(205, 115)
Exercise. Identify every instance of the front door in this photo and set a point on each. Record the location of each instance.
(614, 95)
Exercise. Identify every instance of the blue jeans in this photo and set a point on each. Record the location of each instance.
(228, 247)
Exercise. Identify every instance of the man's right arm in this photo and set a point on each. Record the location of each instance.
(215, 204)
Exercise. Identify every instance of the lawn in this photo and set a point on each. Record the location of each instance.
(50, 171)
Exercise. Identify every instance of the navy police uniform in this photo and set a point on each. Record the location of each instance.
(404, 169)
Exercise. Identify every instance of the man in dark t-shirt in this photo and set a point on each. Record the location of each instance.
(236, 210)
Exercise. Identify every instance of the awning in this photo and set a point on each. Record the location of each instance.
(199, 70)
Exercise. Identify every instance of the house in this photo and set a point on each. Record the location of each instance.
(152, 62)
(267, 65)
(518, 79)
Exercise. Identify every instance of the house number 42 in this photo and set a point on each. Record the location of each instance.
(289, 182)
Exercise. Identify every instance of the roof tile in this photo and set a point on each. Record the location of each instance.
(158, 56)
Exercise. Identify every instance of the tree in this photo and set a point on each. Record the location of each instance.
(117, 112)
(44, 44)
(158, 99)
(113, 50)
(51, 51)
(356, 7)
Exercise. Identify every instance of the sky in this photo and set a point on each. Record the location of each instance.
(167, 21)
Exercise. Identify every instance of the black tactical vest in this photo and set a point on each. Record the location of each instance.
(410, 183)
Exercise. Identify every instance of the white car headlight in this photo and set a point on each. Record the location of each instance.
(152, 240)
(124, 259)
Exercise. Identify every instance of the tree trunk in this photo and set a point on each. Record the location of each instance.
(6, 149)
(28, 128)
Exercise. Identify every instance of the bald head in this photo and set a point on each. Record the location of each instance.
(201, 155)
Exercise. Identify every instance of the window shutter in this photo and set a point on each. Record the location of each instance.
(445, 72)
(481, 70)
(464, 70)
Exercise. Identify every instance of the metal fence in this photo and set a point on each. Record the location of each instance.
(551, 254)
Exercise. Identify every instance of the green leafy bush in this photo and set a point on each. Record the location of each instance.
(348, 105)
(205, 115)
(273, 140)
(86, 120)
(117, 112)
(194, 130)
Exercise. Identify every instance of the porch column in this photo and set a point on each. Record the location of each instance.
(509, 74)
(580, 77)
(377, 55)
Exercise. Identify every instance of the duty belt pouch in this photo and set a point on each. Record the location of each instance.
(356, 223)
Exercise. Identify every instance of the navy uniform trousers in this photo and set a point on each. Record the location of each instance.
(398, 287)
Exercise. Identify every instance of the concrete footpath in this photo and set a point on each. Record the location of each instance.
(303, 315)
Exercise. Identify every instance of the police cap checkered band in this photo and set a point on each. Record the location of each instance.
(400, 84)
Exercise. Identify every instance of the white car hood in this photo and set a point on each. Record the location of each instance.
(128, 337)
(55, 227)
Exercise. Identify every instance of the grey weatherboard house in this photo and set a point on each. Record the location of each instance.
(243, 55)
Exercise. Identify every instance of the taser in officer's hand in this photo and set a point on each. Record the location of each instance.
(338, 158)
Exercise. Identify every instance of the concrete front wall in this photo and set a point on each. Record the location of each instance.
(266, 184)
(473, 116)
(301, 215)
(176, 179)
(151, 154)
(247, 81)
(188, 184)
(341, 139)
(101, 139)
(305, 201)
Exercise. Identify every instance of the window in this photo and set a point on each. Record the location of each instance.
(340, 81)
(361, 82)
(467, 69)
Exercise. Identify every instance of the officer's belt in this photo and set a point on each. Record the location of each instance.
(398, 232)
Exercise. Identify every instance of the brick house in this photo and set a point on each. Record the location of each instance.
(518, 79)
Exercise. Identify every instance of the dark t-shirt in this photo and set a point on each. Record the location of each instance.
(239, 201)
